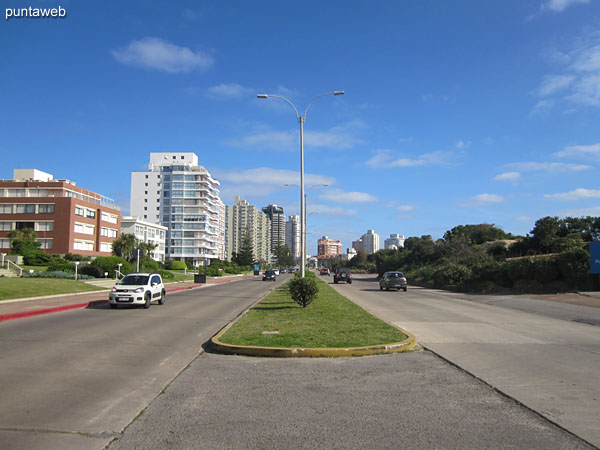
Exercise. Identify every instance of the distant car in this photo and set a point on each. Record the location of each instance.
(393, 280)
(276, 271)
(325, 271)
(270, 275)
(342, 275)
(283, 270)
(138, 289)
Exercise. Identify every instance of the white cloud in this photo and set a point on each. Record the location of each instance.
(387, 160)
(265, 176)
(338, 138)
(155, 53)
(229, 91)
(337, 195)
(507, 176)
(482, 200)
(575, 151)
(579, 84)
(552, 84)
(575, 195)
(327, 210)
(405, 208)
(581, 212)
(462, 144)
(547, 167)
(560, 5)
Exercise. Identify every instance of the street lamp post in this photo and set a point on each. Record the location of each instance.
(301, 120)
(305, 217)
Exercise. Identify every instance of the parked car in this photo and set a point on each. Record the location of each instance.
(283, 270)
(393, 280)
(325, 271)
(138, 289)
(269, 275)
(342, 274)
(276, 271)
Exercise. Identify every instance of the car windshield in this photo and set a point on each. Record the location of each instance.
(270, 272)
(131, 280)
(395, 275)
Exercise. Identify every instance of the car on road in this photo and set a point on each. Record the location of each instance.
(269, 275)
(138, 289)
(325, 271)
(283, 270)
(342, 274)
(393, 280)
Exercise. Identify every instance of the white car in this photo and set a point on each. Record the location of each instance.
(138, 289)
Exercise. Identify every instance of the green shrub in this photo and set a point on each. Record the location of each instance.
(76, 257)
(451, 274)
(56, 274)
(574, 266)
(176, 265)
(111, 263)
(67, 267)
(166, 275)
(303, 290)
(90, 269)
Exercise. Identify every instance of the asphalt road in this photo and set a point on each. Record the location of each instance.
(76, 379)
(543, 354)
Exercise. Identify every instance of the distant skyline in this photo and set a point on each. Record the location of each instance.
(454, 113)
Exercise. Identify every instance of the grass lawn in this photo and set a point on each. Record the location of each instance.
(33, 287)
(331, 321)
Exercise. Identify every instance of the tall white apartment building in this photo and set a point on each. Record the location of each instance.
(368, 243)
(148, 232)
(275, 213)
(293, 228)
(181, 195)
(394, 241)
(243, 218)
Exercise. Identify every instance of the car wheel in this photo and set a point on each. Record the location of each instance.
(161, 300)
(349, 282)
(147, 304)
(387, 288)
(405, 289)
(381, 288)
(113, 306)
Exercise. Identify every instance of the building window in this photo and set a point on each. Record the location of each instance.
(84, 228)
(85, 212)
(46, 244)
(46, 209)
(26, 209)
(146, 184)
(6, 209)
(4, 243)
(44, 226)
(110, 218)
(108, 232)
(83, 245)
(6, 226)
(146, 177)
(106, 247)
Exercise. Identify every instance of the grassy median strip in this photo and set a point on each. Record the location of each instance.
(331, 321)
(34, 287)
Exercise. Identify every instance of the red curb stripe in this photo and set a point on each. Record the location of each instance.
(39, 312)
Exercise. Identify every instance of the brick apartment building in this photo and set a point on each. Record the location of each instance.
(328, 248)
(66, 218)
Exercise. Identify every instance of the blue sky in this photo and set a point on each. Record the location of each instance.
(454, 113)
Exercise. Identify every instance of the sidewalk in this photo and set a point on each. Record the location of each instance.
(21, 308)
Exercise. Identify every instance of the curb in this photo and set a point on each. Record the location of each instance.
(282, 352)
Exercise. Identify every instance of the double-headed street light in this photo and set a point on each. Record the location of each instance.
(301, 120)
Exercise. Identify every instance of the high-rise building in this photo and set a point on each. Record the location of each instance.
(275, 213)
(328, 248)
(368, 243)
(178, 193)
(293, 228)
(394, 241)
(243, 218)
(65, 217)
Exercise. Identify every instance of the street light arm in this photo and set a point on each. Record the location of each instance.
(282, 98)
(319, 96)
